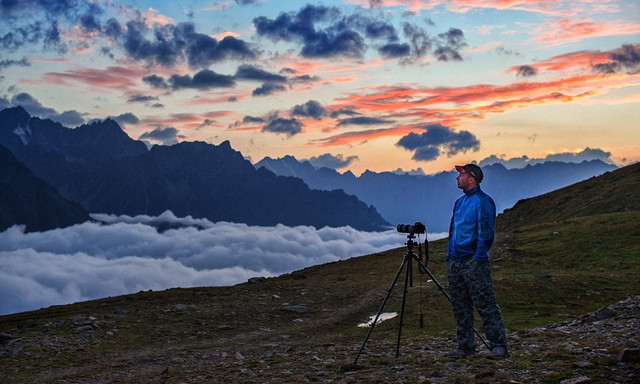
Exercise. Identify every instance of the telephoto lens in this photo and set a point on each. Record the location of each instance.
(418, 227)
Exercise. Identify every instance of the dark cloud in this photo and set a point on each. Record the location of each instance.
(449, 45)
(126, 118)
(419, 39)
(328, 160)
(304, 79)
(14, 63)
(346, 44)
(343, 111)
(69, 118)
(362, 120)
(290, 127)
(155, 81)
(164, 136)
(173, 43)
(204, 79)
(311, 108)
(249, 72)
(377, 29)
(304, 26)
(90, 20)
(253, 119)
(394, 50)
(526, 71)
(436, 140)
(268, 89)
(626, 58)
(142, 98)
(162, 44)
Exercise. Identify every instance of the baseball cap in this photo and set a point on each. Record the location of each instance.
(471, 169)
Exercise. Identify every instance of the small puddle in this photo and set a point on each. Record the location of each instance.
(383, 316)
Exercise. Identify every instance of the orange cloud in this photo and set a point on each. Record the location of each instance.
(584, 60)
(452, 106)
(534, 6)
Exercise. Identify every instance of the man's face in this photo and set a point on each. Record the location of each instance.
(465, 181)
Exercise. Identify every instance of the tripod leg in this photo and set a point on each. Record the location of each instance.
(407, 280)
(424, 268)
(384, 302)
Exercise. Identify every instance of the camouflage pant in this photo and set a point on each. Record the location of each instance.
(470, 287)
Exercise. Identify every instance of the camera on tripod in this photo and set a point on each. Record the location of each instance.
(416, 228)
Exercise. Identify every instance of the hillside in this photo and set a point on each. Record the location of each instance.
(609, 193)
(29, 201)
(567, 287)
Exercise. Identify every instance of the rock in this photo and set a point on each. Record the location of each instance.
(257, 279)
(604, 313)
(629, 355)
(577, 380)
(179, 307)
(6, 337)
(295, 308)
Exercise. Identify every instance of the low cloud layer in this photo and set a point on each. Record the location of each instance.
(130, 254)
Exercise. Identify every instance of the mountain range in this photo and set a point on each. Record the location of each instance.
(99, 167)
(405, 198)
(105, 171)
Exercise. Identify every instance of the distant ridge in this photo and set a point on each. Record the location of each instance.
(405, 198)
(615, 191)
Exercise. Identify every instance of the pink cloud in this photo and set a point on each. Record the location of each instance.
(561, 30)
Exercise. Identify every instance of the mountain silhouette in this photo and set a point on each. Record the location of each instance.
(405, 198)
(98, 166)
(27, 200)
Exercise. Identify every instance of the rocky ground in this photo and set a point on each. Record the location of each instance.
(599, 347)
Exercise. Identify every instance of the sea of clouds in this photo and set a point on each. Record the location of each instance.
(117, 255)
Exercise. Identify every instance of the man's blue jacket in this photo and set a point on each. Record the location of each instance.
(471, 231)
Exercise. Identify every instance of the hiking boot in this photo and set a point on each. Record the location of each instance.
(460, 353)
(498, 353)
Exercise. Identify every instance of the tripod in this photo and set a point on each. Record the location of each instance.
(408, 281)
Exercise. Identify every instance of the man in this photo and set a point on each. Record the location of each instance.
(471, 234)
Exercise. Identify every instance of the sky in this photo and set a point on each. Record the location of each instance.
(352, 84)
(127, 255)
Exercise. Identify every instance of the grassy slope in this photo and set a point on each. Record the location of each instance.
(552, 260)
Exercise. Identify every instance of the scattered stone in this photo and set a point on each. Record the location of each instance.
(257, 279)
(577, 380)
(604, 313)
(629, 355)
(295, 308)
(6, 337)
(179, 307)
(84, 328)
(225, 327)
(543, 276)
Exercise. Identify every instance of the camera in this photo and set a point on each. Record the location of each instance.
(417, 227)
